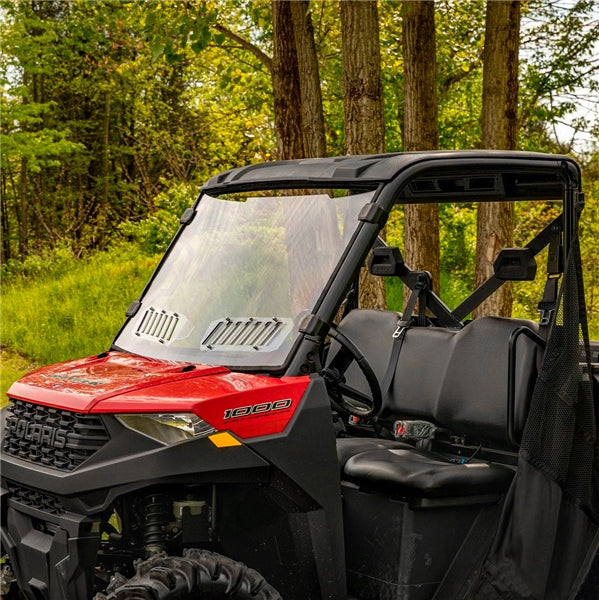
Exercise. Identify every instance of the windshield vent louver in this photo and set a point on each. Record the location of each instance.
(247, 333)
(158, 325)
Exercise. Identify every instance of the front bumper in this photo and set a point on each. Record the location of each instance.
(51, 554)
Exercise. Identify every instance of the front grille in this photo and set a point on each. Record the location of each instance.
(35, 499)
(51, 437)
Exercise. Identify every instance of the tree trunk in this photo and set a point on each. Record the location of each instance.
(362, 84)
(23, 212)
(421, 130)
(363, 105)
(23, 202)
(495, 221)
(5, 253)
(286, 84)
(309, 76)
(103, 212)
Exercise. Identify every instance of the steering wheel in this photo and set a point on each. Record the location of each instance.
(334, 376)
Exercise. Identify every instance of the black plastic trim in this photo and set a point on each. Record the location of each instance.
(187, 216)
(537, 339)
(371, 213)
(133, 308)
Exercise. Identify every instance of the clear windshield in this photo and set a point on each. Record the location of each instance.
(237, 283)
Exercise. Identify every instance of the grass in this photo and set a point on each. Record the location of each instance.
(13, 367)
(68, 312)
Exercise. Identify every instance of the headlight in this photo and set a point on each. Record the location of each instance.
(167, 428)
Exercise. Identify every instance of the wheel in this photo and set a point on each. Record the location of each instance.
(358, 404)
(8, 582)
(198, 574)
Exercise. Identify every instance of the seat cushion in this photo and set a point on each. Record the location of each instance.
(350, 446)
(408, 471)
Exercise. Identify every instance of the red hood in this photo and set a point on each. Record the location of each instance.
(115, 382)
(80, 384)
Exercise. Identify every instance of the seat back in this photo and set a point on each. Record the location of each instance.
(474, 381)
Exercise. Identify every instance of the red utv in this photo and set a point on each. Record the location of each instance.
(253, 434)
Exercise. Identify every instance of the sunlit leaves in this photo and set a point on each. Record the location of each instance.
(173, 26)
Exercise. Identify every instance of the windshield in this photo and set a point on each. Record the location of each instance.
(235, 286)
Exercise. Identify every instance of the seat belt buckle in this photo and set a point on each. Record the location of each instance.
(548, 303)
(546, 309)
(401, 327)
(546, 315)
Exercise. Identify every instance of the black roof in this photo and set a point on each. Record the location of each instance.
(369, 170)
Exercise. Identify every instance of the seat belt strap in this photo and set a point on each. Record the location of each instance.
(404, 323)
(548, 305)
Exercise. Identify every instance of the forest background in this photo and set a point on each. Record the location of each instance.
(114, 112)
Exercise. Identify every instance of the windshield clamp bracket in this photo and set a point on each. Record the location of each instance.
(187, 216)
(133, 308)
(312, 325)
(371, 213)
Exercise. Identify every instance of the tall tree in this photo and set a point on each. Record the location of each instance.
(362, 84)
(420, 129)
(309, 76)
(363, 104)
(295, 76)
(286, 84)
(495, 220)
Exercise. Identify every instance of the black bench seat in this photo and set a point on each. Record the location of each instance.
(476, 382)
(352, 446)
(409, 471)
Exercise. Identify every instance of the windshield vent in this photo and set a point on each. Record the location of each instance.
(247, 333)
(158, 325)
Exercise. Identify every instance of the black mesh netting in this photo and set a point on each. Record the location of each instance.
(548, 532)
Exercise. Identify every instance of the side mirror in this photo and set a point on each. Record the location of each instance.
(515, 264)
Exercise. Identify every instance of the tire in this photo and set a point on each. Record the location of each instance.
(198, 574)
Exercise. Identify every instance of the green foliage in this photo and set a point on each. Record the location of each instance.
(106, 101)
(71, 307)
(560, 67)
(460, 39)
(154, 233)
(458, 240)
(42, 147)
(171, 27)
(48, 263)
(91, 126)
(13, 368)
(589, 232)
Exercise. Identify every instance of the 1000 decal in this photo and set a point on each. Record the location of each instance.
(257, 409)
